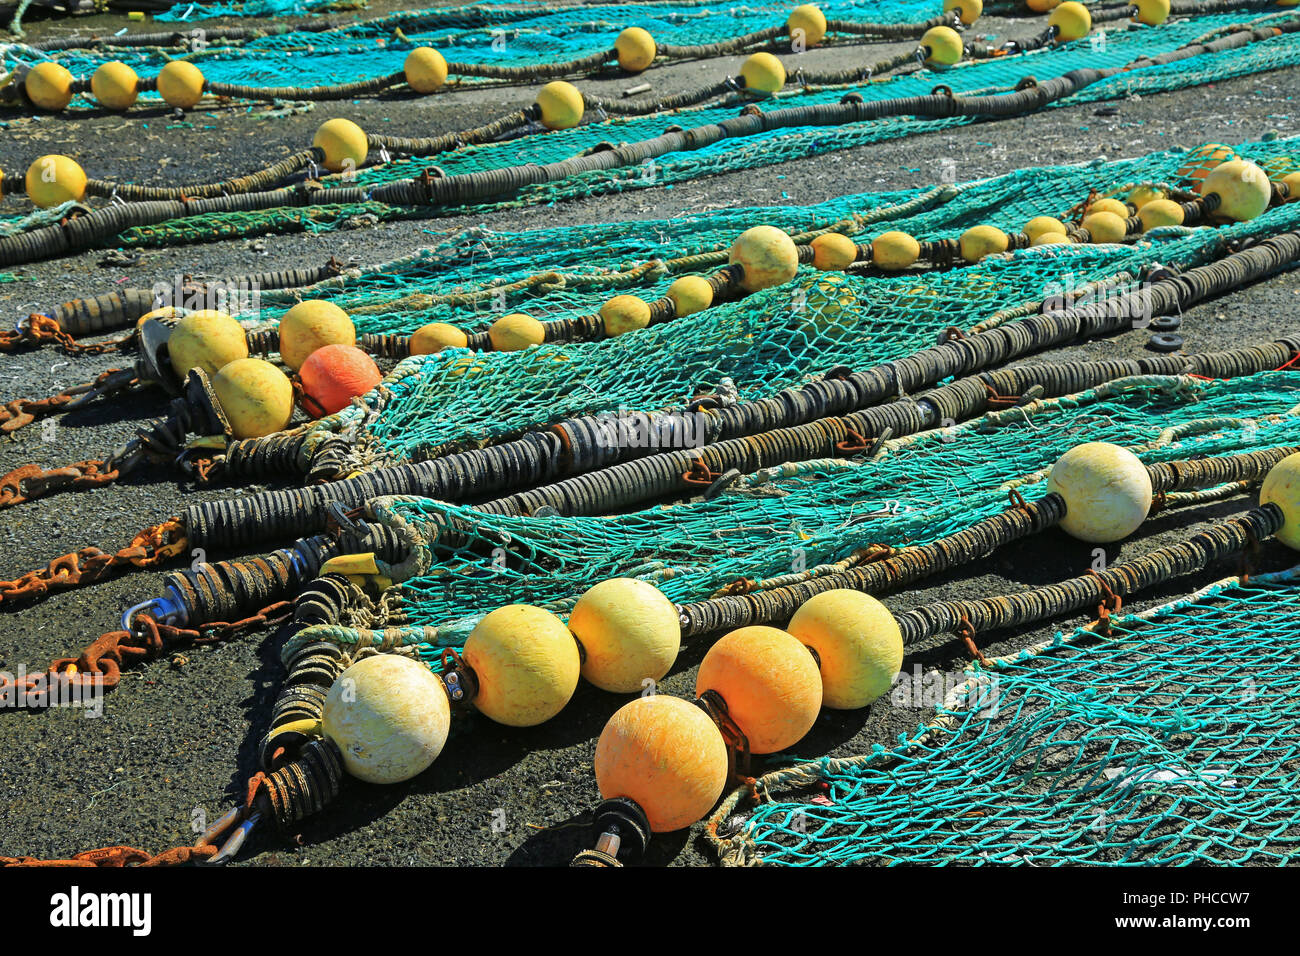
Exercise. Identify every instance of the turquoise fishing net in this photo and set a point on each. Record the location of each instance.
(811, 515)
(484, 34)
(764, 342)
(1176, 741)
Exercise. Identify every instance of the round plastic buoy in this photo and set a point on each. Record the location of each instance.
(1160, 212)
(1243, 189)
(666, 755)
(256, 397)
(334, 375)
(1041, 224)
(515, 332)
(1142, 195)
(1110, 205)
(53, 180)
(344, 144)
(624, 313)
(1152, 12)
(857, 641)
(1072, 21)
(894, 250)
(526, 662)
(436, 336)
(629, 633)
(834, 251)
(206, 339)
(942, 45)
(1107, 491)
(768, 255)
(690, 294)
(1282, 488)
(115, 85)
(980, 241)
(312, 325)
(1204, 158)
(425, 70)
(561, 105)
(389, 716)
(807, 25)
(1105, 227)
(635, 49)
(770, 683)
(49, 86)
(969, 10)
(763, 73)
(180, 84)
(1041, 6)
(1051, 239)
(1292, 183)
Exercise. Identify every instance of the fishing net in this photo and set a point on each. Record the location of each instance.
(1171, 742)
(732, 153)
(761, 344)
(500, 34)
(818, 516)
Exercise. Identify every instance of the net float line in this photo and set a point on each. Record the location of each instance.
(318, 649)
(621, 815)
(85, 231)
(543, 456)
(426, 70)
(884, 254)
(829, 251)
(214, 524)
(448, 534)
(757, 76)
(123, 307)
(978, 541)
(1230, 600)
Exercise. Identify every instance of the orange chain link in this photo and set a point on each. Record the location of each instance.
(23, 411)
(39, 329)
(29, 482)
(151, 546)
(118, 856)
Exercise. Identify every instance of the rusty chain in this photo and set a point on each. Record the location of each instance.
(23, 411)
(39, 329)
(152, 546)
(100, 665)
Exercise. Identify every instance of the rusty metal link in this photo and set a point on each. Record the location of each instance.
(29, 482)
(738, 757)
(100, 665)
(39, 329)
(966, 632)
(854, 442)
(1018, 501)
(151, 546)
(119, 856)
(700, 474)
(23, 411)
(1110, 604)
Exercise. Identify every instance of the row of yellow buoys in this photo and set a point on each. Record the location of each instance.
(180, 83)
(842, 649)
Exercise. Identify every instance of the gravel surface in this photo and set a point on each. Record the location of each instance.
(180, 735)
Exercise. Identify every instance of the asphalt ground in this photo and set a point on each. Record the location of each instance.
(179, 736)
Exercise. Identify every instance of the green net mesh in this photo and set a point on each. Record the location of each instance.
(498, 34)
(1173, 742)
(808, 516)
(1116, 47)
(765, 342)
